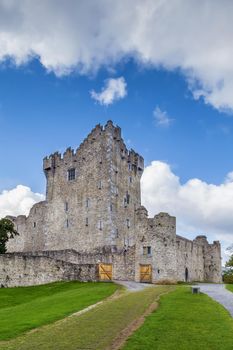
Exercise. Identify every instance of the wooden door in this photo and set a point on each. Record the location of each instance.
(145, 273)
(105, 272)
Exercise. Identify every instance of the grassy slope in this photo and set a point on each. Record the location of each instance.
(185, 321)
(22, 309)
(95, 329)
(230, 287)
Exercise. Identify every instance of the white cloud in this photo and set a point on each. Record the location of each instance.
(18, 201)
(161, 117)
(192, 36)
(114, 89)
(199, 207)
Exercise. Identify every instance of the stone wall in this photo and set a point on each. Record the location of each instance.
(31, 230)
(123, 261)
(17, 269)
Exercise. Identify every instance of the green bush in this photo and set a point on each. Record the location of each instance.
(228, 277)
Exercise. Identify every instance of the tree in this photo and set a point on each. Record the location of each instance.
(228, 273)
(7, 231)
(229, 263)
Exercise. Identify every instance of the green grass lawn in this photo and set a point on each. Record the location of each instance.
(185, 322)
(95, 329)
(25, 308)
(230, 287)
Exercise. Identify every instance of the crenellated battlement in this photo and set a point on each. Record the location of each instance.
(56, 159)
(71, 156)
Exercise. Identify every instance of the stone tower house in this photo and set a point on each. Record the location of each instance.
(93, 214)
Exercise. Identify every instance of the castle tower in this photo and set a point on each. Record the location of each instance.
(212, 259)
(92, 193)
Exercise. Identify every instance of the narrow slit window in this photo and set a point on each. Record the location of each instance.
(67, 223)
(127, 198)
(66, 206)
(100, 225)
(34, 224)
(100, 185)
(86, 221)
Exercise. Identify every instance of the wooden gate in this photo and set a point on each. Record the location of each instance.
(145, 273)
(105, 272)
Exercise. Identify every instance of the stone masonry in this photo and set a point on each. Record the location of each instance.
(93, 214)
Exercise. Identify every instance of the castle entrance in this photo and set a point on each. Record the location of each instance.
(145, 273)
(105, 272)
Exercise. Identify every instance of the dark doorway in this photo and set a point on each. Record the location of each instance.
(186, 274)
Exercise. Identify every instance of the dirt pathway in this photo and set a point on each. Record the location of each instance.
(134, 286)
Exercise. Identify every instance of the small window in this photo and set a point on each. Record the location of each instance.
(130, 179)
(129, 167)
(128, 223)
(147, 251)
(66, 206)
(71, 174)
(86, 221)
(116, 190)
(100, 185)
(110, 207)
(34, 224)
(127, 197)
(67, 223)
(116, 233)
(87, 203)
(100, 225)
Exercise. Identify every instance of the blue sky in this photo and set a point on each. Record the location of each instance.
(41, 113)
(161, 70)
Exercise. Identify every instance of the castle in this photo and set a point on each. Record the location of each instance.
(92, 225)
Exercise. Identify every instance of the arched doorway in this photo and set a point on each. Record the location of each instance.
(186, 274)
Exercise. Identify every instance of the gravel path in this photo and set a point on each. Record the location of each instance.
(134, 286)
(219, 293)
